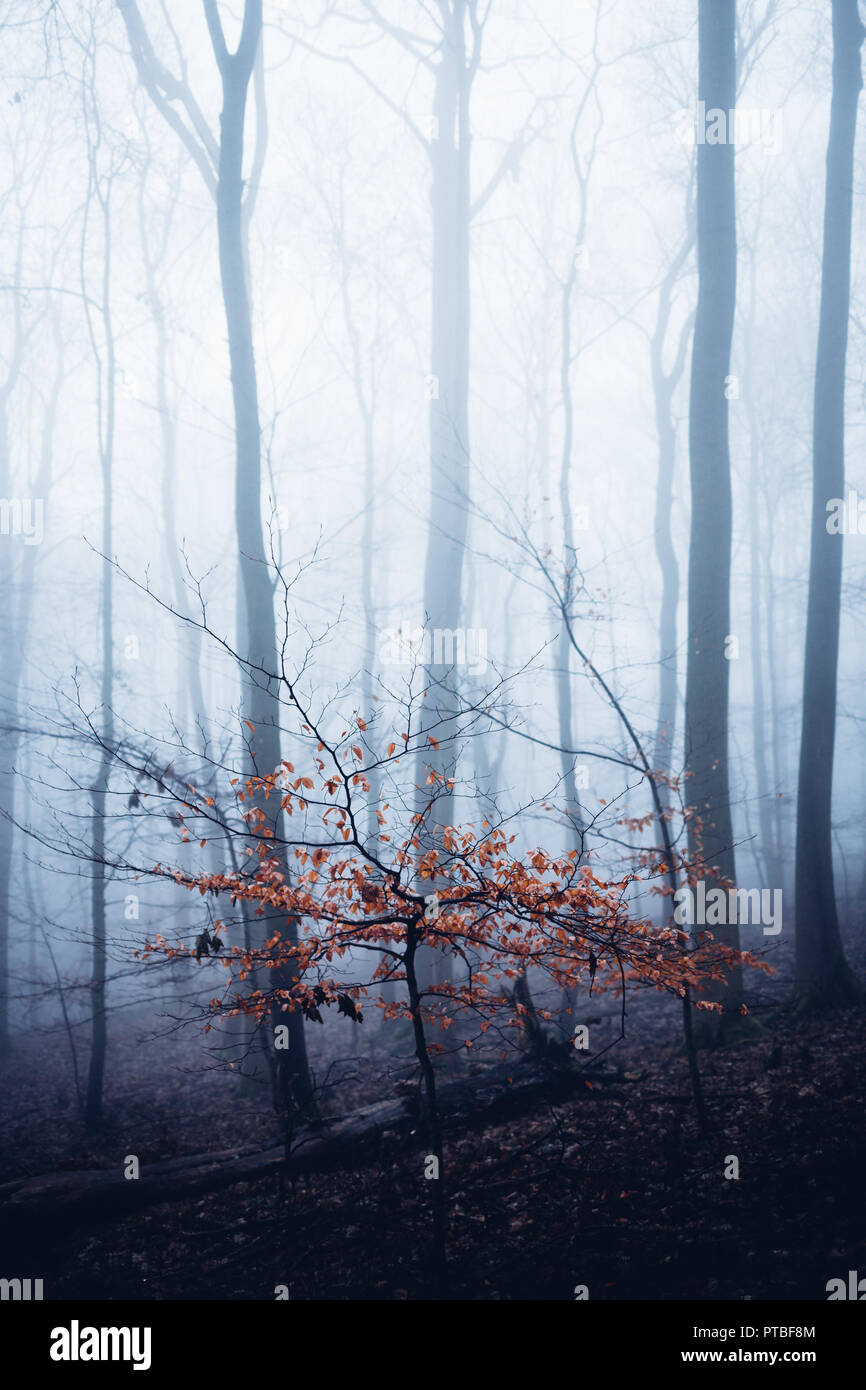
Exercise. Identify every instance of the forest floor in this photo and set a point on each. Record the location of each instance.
(613, 1187)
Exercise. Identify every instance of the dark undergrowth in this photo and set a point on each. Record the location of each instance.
(613, 1187)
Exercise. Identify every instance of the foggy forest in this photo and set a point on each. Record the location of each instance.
(433, 573)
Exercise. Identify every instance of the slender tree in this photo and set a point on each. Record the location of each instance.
(709, 606)
(452, 57)
(770, 857)
(12, 644)
(665, 382)
(220, 161)
(364, 374)
(155, 242)
(100, 331)
(18, 580)
(823, 978)
(582, 164)
(448, 389)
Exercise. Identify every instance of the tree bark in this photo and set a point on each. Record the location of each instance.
(707, 672)
(257, 634)
(449, 424)
(664, 386)
(564, 704)
(823, 979)
(99, 791)
(14, 644)
(221, 165)
(190, 691)
(770, 856)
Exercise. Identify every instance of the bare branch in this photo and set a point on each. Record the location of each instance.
(163, 88)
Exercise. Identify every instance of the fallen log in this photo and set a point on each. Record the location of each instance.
(53, 1204)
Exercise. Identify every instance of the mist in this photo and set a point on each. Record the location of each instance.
(431, 540)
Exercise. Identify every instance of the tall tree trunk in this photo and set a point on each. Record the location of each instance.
(564, 708)
(221, 165)
(769, 856)
(365, 396)
(449, 391)
(707, 672)
(20, 592)
(99, 790)
(369, 672)
(667, 559)
(778, 758)
(257, 640)
(449, 420)
(9, 737)
(189, 675)
(823, 979)
(664, 385)
(13, 645)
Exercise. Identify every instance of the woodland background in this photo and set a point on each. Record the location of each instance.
(423, 441)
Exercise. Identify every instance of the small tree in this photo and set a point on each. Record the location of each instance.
(500, 908)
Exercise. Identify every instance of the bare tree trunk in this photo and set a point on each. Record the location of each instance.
(256, 606)
(449, 386)
(365, 396)
(99, 791)
(221, 165)
(369, 672)
(189, 683)
(664, 385)
(13, 654)
(564, 710)
(449, 419)
(823, 979)
(769, 847)
(434, 1127)
(778, 760)
(667, 558)
(9, 739)
(707, 673)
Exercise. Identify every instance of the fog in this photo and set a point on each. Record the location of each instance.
(348, 399)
